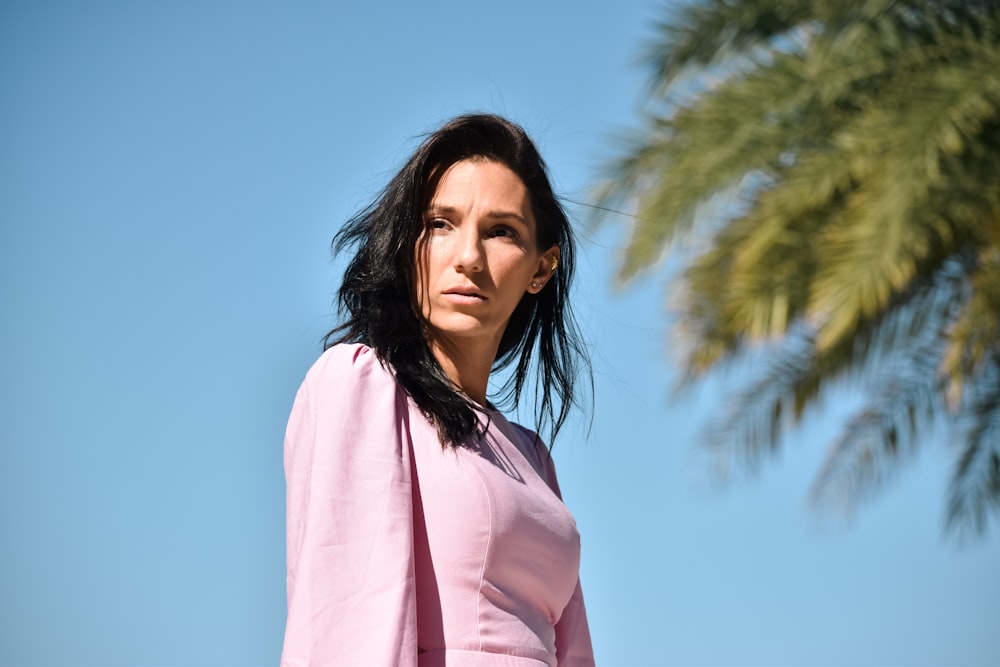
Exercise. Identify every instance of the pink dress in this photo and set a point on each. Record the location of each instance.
(395, 542)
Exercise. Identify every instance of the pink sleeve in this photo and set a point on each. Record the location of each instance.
(573, 645)
(351, 593)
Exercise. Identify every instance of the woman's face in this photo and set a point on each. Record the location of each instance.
(478, 254)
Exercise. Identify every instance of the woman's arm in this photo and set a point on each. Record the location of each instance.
(573, 645)
(351, 593)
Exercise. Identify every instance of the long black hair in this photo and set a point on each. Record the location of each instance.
(378, 294)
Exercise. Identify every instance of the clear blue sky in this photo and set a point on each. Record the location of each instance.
(170, 176)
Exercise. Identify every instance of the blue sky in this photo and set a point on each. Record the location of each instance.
(170, 178)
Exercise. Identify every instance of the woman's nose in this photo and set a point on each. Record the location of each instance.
(469, 254)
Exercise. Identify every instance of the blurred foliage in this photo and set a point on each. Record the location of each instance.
(858, 144)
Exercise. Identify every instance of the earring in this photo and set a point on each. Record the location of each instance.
(555, 263)
(534, 284)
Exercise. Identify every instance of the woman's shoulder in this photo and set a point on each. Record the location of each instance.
(534, 443)
(348, 358)
(347, 365)
(528, 436)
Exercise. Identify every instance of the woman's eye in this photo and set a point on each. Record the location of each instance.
(437, 223)
(504, 232)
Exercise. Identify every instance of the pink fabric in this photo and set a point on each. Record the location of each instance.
(396, 543)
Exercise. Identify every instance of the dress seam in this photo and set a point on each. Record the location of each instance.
(486, 555)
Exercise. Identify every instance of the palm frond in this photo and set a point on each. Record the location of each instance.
(877, 439)
(706, 34)
(975, 336)
(766, 117)
(858, 145)
(905, 395)
(798, 372)
(975, 485)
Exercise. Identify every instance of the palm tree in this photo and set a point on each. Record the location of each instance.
(857, 147)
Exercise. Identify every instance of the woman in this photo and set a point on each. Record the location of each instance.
(423, 527)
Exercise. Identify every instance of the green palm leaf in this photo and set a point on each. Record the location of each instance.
(858, 146)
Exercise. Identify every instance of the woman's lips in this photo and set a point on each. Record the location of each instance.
(465, 296)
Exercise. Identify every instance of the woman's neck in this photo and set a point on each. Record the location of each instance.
(467, 363)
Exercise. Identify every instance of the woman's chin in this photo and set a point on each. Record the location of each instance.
(460, 325)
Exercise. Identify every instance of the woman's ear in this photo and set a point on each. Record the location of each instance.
(547, 265)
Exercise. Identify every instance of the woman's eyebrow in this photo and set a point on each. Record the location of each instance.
(502, 215)
(499, 215)
(435, 209)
